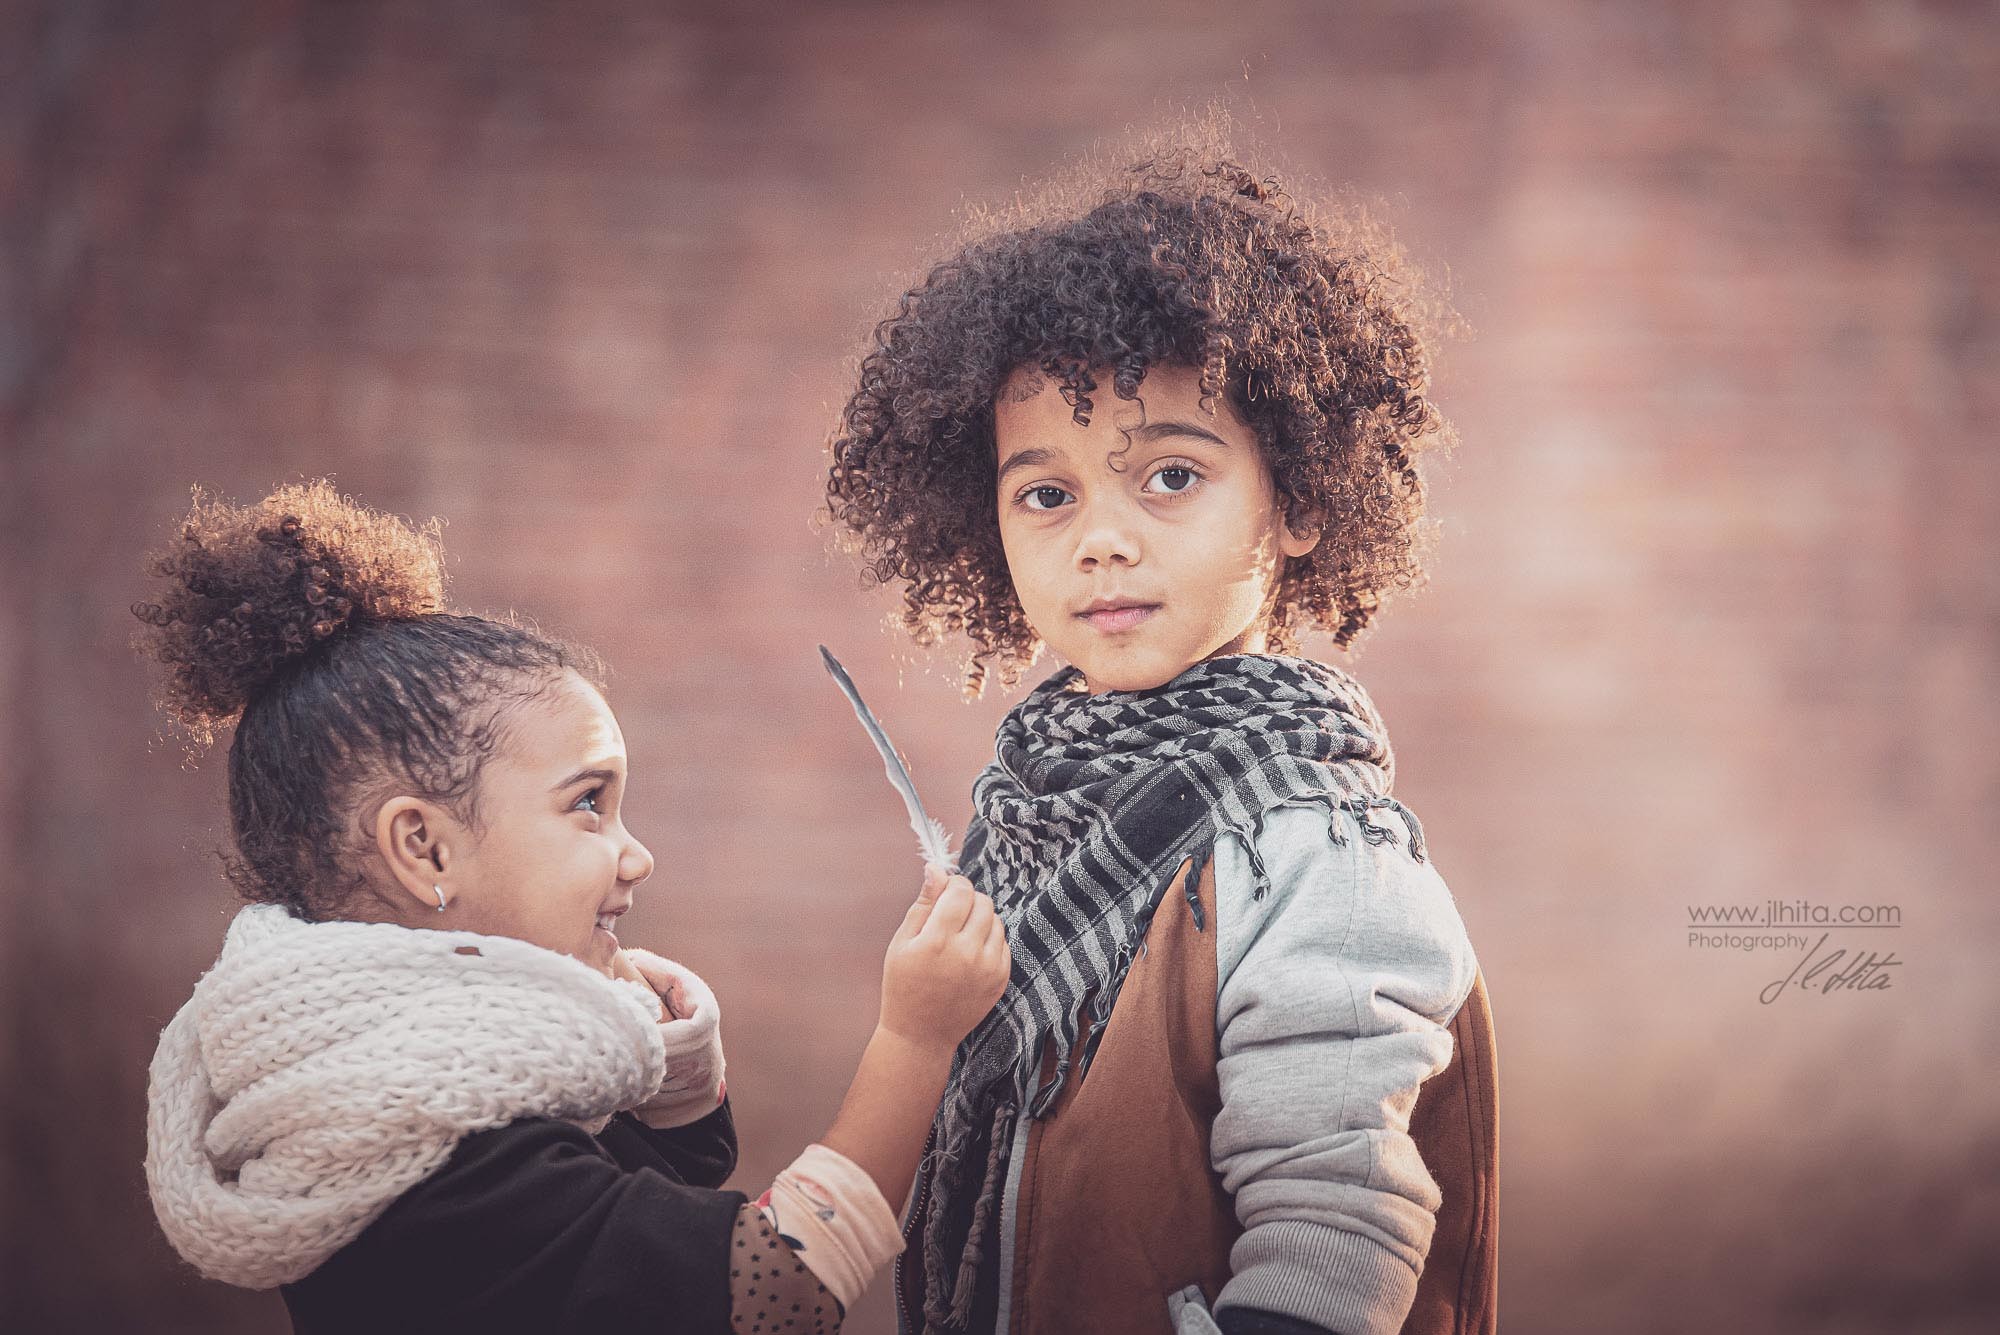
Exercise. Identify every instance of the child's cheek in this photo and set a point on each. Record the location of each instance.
(1046, 620)
(1031, 587)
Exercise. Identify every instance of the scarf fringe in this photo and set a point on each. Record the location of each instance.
(948, 1305)
(957, 1311)
(1260, 878)
(1359, 807)
(1064, 1034)
(1099, 1011)
(1191, 889)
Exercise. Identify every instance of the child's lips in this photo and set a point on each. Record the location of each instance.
(1123, 617)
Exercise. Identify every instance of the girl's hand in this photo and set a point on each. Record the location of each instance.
(623, 967)
(946, 966)
(670, 997)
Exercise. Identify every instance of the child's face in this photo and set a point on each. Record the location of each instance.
(552, 853)
(1145, 542)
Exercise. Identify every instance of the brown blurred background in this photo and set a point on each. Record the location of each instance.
(1716, 617)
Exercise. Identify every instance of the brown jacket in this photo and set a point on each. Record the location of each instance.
(1102, 1235)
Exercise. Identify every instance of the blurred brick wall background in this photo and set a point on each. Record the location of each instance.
(1716, 617)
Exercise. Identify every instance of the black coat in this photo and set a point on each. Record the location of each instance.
(538, 1226)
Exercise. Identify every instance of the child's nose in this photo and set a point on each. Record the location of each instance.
(637, 864)
(1108, 537)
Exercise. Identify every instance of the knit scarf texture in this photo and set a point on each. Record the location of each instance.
(1090, 809)
(322, 1069)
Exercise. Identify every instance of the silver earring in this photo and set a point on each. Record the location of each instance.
(440, 894)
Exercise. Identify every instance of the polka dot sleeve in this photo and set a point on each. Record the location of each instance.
(771, 1291)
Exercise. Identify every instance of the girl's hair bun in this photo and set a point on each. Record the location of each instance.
(254, 588)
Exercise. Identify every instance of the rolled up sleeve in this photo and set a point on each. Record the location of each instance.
(1336, 986)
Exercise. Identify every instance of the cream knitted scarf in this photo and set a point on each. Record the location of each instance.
(322, 1069)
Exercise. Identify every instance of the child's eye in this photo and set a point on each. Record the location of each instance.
(1174, 478)
(1043, 498)
(589, 801)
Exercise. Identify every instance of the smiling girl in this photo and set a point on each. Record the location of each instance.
(424, 1087)
(1242, 1075)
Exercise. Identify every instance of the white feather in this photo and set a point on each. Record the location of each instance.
(932, 842)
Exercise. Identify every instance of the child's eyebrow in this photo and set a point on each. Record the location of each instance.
(1153, 431)
(1033, 457)
(600, 775)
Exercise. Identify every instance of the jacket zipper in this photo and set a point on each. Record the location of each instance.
(911, 1323)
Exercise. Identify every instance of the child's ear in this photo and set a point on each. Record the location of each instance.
(415, 840)
(1299, 534)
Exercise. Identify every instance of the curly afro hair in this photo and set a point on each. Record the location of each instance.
(318, 629)
(1311, 321)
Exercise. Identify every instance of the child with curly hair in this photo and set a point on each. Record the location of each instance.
(1219, 914)
(425, 1087)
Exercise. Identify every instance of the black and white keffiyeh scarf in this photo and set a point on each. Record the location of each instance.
(1089, 810)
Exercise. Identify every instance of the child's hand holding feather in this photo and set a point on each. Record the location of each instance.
(947, 964)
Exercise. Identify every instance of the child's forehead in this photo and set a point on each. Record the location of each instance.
(1032, 409)
(1024, 382)
(564, 725)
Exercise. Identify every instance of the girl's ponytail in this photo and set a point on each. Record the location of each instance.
(253, 589)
